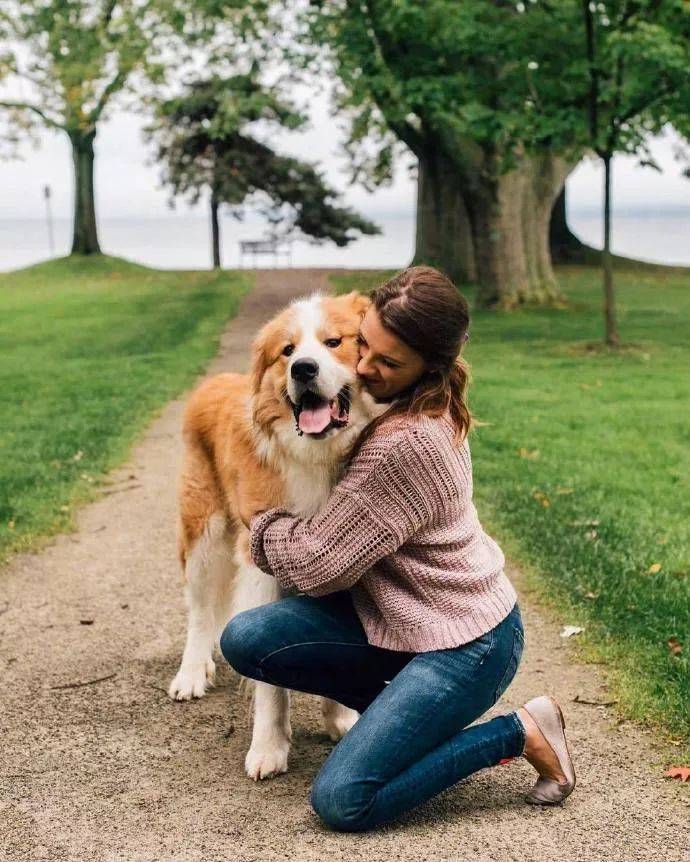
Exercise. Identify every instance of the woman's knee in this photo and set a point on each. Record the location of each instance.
(340, 805)
(239, 642)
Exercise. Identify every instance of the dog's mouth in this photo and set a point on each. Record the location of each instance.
(316, 415)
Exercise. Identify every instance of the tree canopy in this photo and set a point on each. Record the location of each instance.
(205, 144)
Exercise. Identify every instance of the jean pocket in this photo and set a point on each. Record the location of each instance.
(474, 652)
(513, 661)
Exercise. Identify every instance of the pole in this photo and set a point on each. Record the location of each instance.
(49, 217)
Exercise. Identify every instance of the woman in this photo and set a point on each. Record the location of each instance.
(404, 613)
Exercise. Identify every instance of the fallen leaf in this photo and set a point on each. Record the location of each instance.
(541, 497)
(85, 622)
(675, 646)
(682, 772)
(78, 456)
(530, 454)
(654, 568)
(569, 631)
(10, 525)
(591, 595)
(564, 490)
(591, 535)
(592, 522)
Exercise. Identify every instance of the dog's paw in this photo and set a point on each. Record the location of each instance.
(337, 722)
(193, 680)
(267, 760)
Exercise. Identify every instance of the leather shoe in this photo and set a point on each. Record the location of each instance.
(549, 719)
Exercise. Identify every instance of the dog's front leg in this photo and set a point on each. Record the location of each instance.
(271, 732)
(208, 567)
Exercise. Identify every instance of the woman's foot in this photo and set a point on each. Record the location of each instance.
(547, 751)
(538, 752)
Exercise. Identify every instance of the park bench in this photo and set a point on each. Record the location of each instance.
(272, 245)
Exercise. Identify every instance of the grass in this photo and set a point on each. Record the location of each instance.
(583, 472)
(90, 348)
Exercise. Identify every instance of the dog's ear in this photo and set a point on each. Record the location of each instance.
(358, 301)
(260, 358)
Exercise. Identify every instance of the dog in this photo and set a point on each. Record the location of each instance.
(278, 436)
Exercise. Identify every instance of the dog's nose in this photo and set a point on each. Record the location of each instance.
(304, 370)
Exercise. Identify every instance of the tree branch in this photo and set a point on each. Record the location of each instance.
(26, 106)
(114, 85)
(593, 100)
(108, 10)
(665, 89)
(403, 129)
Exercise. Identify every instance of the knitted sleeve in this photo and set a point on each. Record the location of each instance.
(391, 489)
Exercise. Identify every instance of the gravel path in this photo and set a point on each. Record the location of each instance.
(114, 770)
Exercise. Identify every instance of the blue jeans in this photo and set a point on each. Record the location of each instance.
(412, 738)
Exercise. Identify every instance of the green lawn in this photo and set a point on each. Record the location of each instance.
(89, 349)
(583, 472)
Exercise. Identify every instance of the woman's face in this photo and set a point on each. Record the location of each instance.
(386, 365)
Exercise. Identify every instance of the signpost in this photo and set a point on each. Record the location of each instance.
(49, 216)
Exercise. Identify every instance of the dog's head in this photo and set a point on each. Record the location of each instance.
(303, 372)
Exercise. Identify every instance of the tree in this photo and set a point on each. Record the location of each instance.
(205, 146)
(453, 82)
(73, 57)
(638, 79)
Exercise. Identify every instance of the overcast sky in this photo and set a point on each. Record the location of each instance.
(127, 186)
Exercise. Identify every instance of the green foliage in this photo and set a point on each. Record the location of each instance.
(500, 75)
(89, 349)
(582, 472)
(205, 144)
(72, 57)
(637, 71)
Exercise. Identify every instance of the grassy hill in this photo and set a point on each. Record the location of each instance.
(90, 348)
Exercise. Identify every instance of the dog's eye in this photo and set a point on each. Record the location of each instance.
(288, 349)
(333, 342)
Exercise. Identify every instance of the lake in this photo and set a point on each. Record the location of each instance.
(182, 241)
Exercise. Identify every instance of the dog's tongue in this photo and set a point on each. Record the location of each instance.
(313, 420)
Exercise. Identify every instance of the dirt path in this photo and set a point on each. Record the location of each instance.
(116, 771)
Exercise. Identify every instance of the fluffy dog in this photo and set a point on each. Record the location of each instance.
(278, 436)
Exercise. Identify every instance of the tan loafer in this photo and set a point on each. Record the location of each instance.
(549, 719)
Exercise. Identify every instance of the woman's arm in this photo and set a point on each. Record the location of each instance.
(401, 489)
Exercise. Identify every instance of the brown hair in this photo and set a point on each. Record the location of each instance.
(425, 309)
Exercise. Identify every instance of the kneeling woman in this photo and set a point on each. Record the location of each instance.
(405, 612)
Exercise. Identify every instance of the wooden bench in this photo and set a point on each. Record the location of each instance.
(272, 246)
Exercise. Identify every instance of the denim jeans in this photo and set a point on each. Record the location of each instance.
(412, 738)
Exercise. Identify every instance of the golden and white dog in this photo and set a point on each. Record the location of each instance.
(278, 436)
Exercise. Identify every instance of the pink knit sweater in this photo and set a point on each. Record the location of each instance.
(400, 529)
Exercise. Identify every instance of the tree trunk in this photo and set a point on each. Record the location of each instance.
(215, 232)
(85, 233)
(611, 331)
(495, 210)
(544, 177)
(565, 246)
(443, 233)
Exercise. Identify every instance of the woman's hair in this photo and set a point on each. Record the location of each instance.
(425, 309)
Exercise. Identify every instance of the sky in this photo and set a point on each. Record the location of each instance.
(127, 184)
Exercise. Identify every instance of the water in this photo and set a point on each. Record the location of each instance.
(182, 241)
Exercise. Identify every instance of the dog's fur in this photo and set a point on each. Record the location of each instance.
(244, 451)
